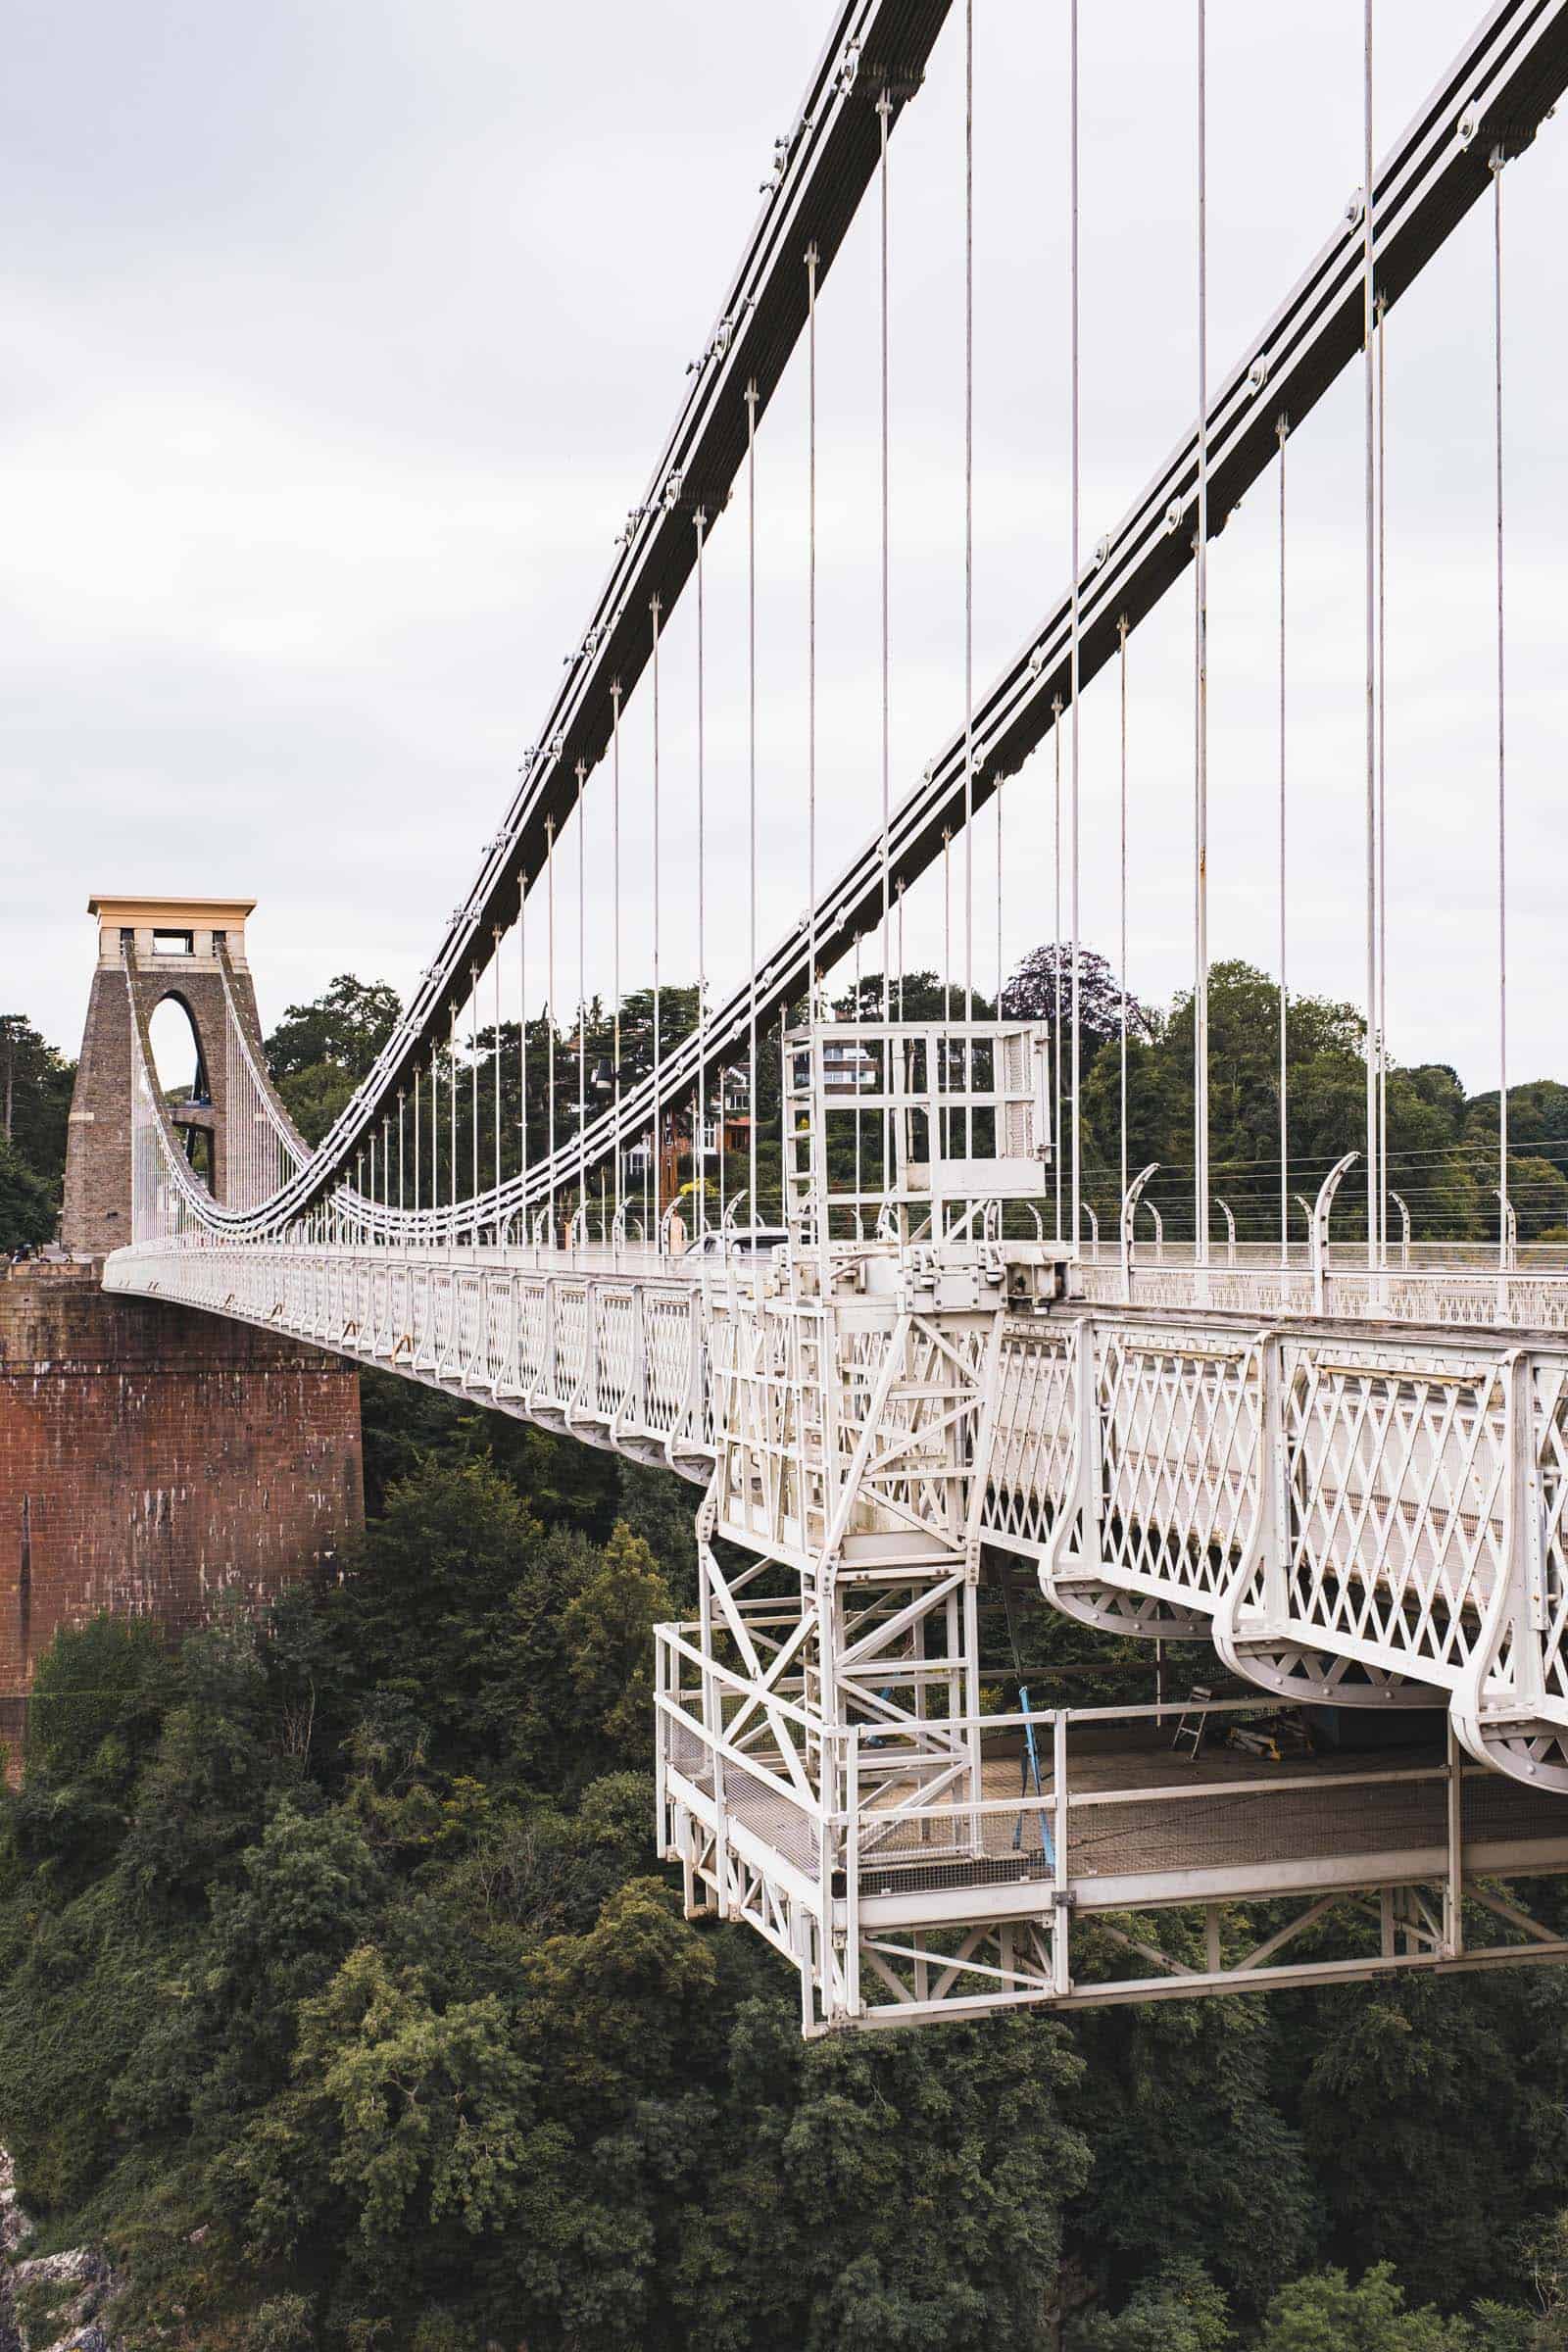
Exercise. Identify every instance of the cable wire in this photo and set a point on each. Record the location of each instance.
(969, 527)
(810, 633)
(1282, 429)
(1201, 684)
(658, 1135)
(1121, 633)
(700, 1156)
(752, 1097)
(1073, 829)
(582, 1008)
(615, 748)
(1497, 160)
(1368, 330)
(549, 1016)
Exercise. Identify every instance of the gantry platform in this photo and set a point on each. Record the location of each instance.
(1115, 1865)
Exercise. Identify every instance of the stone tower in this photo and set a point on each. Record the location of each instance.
(154, 1462)
(175, 943)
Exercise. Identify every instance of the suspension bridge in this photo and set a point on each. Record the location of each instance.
(901, 1364)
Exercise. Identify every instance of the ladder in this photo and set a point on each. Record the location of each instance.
(1194, 1722)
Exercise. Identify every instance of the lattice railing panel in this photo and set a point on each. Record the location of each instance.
(1032, 1450)
(1549, 1389)
(1397, 1484)
(1180, 1422)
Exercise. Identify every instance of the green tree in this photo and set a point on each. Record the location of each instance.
(1542, 2256)
(884, 2192)
(199, 1800)
(416, 1605)
(1193, 2157)
(1325, 2312)
(1432, 1163)
(35, 1085)
(99, 1694)
(609, 1633)
(1537, 1190)
(1043, 984)
(1466, 2083)
(29, 1208)
(427, 2108)
(1179, 2309)
(222, 2038)
(320, 1052)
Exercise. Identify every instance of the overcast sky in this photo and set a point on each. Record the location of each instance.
(339, 339)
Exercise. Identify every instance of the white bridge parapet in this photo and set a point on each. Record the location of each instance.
(1530, 1294)
(1367, 1516)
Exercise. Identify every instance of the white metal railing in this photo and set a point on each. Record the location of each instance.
(1458, 1290)
(618, 1355)
(1299, 1487)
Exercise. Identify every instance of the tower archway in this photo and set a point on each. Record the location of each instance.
(168, 955)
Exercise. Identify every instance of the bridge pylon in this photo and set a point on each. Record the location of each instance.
(152, 947)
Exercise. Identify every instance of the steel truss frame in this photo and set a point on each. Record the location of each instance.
(897, 1911)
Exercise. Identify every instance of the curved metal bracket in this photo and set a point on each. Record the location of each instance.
(1224, 1208)
(1510, 1227)
(1320, 1229)
(1129, 1210)
(1405, 1224)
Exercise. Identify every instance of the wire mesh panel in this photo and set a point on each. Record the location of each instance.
(532, 1332)
(667, 1322)
(499, 1296)
(570, 1361)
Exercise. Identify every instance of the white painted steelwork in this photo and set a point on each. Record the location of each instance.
(1457, 1283)
(1369, 1514)
(1350, 1475)
(1077, 1881)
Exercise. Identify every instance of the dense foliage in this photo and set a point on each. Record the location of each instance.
(34, 1099)
(1441, 1144)
(342, 1998)
(341, 1994)
(320, 1052)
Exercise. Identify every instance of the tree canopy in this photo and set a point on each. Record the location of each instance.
(321, 1051)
